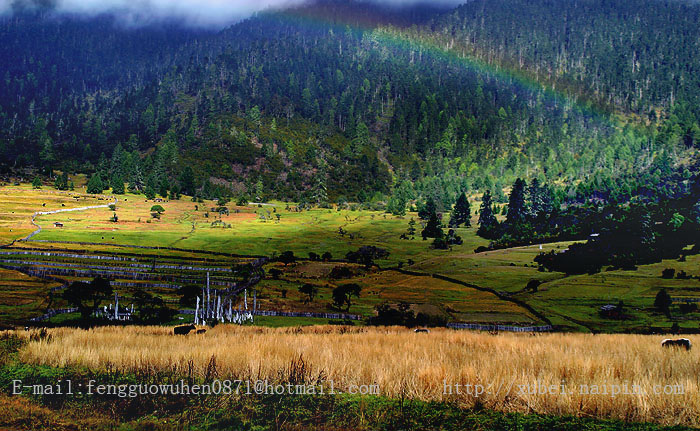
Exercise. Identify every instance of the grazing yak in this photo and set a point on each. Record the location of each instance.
(201, 331)
(184, 329)
(417, 330)
(680, 342)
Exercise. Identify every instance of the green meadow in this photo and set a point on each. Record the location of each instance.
(486, 287)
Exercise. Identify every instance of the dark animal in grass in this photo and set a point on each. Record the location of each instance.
(201, 331)
(184, 329)
(680, 343)
(417, 330)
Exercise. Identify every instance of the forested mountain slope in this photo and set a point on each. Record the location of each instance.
(638, 55)
(342, 100)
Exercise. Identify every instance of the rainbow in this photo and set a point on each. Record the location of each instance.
(581, 104)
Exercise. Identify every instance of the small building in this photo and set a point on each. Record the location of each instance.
(58, 224)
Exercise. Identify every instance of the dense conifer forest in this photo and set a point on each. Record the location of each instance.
(595, 103)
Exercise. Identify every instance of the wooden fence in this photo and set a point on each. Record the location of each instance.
(52, 313)
(146, 247)
(130, 275)
(341, 316)
(504, 328)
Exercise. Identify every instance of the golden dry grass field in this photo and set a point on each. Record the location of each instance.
(627, 371)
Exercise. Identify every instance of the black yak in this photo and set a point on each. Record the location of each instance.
(201, 331)
(184, 329)
(680, 342)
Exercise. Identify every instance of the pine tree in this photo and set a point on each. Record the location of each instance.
(428, 209)
(320, 194)
(36, 183)
(136, 181)
(186, 181)
(94, 185)
(191, 135)
(259, 191)
(516, 203)
(433, 229)
(397, 203)
(487, 220)
(411, 227)
(117, 184)
(461, 213)
(254, 116)
(61, 182)
(118, 159)
(163, 187)
(361, 139)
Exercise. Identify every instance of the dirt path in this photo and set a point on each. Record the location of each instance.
(39, 213)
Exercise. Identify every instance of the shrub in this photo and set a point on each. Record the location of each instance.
(688, 307)
(440, 244)
(287, 257)
(339, 272)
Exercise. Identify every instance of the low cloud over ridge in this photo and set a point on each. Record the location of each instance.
(205, 13)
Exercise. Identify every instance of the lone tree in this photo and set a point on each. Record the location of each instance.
(461, 213)
(342, 295)
(86, 297)
(287, 257)
(310, 291)
(156, 211)
(434, 227)
(663, 301)
(411, 231)
(36, 183)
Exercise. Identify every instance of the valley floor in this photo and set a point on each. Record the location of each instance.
(417, 374)
(458, 285)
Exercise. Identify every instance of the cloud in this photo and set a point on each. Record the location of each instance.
(205, 13)
(194, 12)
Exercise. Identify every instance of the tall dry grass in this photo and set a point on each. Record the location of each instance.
(404, 363)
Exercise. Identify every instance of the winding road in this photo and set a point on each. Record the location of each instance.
(38, 228)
